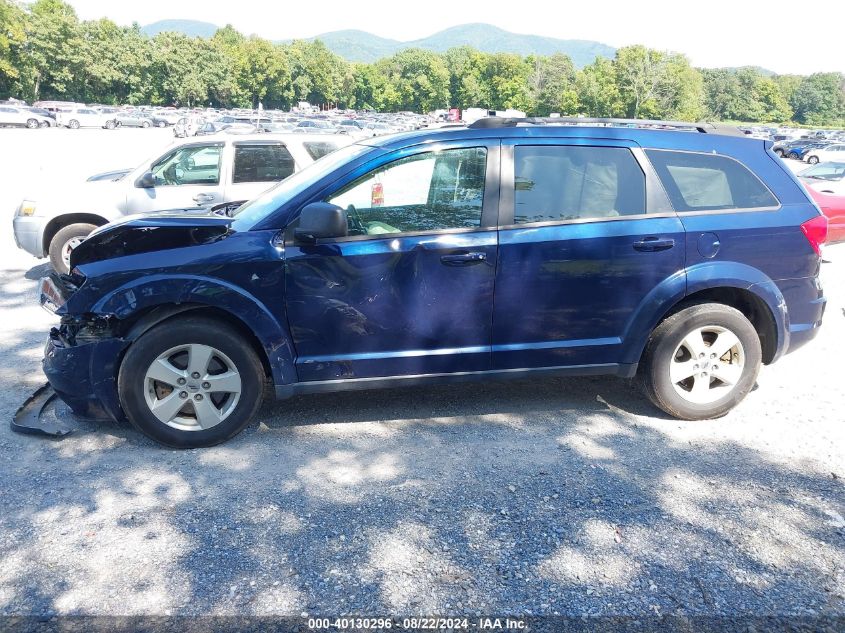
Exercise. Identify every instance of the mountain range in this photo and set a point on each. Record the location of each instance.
(360, 46)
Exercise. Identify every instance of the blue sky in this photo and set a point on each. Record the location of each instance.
(711, 34)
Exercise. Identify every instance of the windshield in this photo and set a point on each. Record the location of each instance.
(268, 202)
(825, 171)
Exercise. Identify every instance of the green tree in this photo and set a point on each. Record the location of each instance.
(820, 99)
(552, 84)
(507, 76)
(420, 79)
(12, 39)
(317, 75)
(598, 94)
(640, 78)
(467, 87)
(53, 50)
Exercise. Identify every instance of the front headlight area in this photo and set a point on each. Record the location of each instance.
(26, 208)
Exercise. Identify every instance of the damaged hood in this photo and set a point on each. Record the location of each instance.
(136, 234)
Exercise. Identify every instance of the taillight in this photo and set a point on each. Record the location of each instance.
(815, 231)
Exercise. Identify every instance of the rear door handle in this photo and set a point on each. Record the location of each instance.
(654, 244)
(204, 198)
(463, 259)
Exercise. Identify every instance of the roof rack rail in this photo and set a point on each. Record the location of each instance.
(701, 126)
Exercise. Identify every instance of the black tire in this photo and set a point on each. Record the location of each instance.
(60, 240)
(73, 124)
(186, 330)
(110, 125)
(162, 124)
(32, 124)
(794, 156)
(813, 160)
(654, 371)
(44, 124)
(145, 124)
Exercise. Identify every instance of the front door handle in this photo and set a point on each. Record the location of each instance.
(204, 198)
(463, 259)
(654, 244)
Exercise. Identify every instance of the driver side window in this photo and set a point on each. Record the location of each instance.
(424, 192)
(195, 165)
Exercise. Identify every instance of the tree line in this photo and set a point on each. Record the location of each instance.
(46, 52)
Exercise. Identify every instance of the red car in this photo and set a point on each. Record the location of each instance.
(834, 208)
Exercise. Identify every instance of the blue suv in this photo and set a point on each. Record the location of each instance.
(684, 255)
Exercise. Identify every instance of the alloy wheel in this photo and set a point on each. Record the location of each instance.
(71, 244)
(192, 387)
(707, 364)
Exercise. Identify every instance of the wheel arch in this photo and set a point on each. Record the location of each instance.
(739, 286)
(152, 300)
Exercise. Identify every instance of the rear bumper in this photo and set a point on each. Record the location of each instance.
(85, 376)
(29, 231)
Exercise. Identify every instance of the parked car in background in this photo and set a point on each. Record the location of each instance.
(50, 116)
(314, 126)
(826, 178)
(198, 173)
(829, 153)
(495, 251)
(833, 207)
(188, 126)
(11, 116)
(133, 119)
(75, 118)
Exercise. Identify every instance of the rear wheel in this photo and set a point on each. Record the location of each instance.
(813, 160)
(794, 156)
(779, 152)
(145, 124)
(162, 124)
(701, 362)
(110, 125)
(191, 382)
(73, 124)
(32, 123)
(44, 124)
(64, 241)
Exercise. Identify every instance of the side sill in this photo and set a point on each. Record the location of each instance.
(355, 384)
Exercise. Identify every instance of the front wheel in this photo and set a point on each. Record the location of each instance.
(813, 160)
(145, 124)
(110, 125)
(701, 362)
(73, 124)
(32, 123)
(190, 382)
(162, 124)
(64, 241)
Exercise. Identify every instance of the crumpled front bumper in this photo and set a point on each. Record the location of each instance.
(84, 375)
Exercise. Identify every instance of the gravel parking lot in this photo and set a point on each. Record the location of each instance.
(572, 497)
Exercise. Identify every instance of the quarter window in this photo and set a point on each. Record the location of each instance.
(317, 150)
(425, 192)
(262, 163)
(697, 182)
(554, 183)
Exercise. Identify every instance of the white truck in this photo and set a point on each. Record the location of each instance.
(199, 172)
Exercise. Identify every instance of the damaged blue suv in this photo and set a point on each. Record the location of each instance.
(684, 255)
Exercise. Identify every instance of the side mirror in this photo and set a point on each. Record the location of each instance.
(320, 220)
(146, 181)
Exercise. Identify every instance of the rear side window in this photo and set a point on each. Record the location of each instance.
(699, 182)
(554, 183)
(262, 163)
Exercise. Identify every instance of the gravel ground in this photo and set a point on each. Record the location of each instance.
(571, 497)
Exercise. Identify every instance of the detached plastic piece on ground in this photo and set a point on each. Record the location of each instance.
(28, 420)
